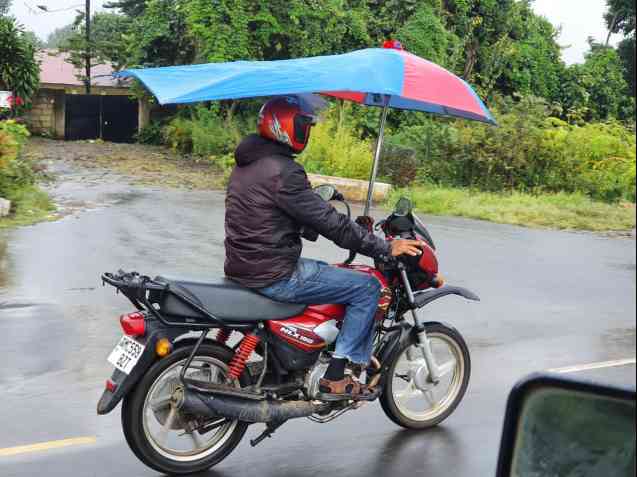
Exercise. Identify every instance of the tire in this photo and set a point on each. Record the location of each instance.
(135, 429)
(392, 404)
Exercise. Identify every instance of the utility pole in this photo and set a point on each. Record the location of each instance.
(88, 46)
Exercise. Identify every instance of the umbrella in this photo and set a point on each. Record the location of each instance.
(382, 77)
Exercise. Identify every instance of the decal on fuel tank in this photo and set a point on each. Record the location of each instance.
(293, 333)
(297, 335)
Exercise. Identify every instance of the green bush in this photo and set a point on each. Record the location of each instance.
(597, 159)
(211, 135)
(336, 150)
(151, 134)
(203, 132)
(530, 151)
(428, 138)
(398, 165)
(178, 135)
(14, 172)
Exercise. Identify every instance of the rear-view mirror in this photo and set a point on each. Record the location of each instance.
(558, 427)
(403, 207)
(326, 192)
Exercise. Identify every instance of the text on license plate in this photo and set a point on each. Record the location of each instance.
(126, 354)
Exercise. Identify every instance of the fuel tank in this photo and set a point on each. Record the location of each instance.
(319, 325)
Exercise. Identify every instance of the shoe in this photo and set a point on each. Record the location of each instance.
(347, 389)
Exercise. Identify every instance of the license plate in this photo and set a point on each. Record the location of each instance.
(126, 354)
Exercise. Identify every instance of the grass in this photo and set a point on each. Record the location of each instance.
(558, 211)
(29, 206)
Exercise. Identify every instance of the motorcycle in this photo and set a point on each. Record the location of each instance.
(188, 396)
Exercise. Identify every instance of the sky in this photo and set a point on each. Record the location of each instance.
(578, 19)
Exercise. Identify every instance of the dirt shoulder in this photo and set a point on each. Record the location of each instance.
(96, 162)
(141, 164)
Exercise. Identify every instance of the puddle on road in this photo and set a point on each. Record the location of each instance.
(14, 306)
(82, 193)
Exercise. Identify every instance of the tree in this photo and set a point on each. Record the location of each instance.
(480, 24)
(219, 29)
(159, 36)
(425, 35)
(626, 50)
(386, 17)
(621, 18)
(19, 70)
(297, 28)
(597, 89)
(60, 36)
(533, 63)
(5, 6)
(107, 44)
(131, 8)
(33, 39)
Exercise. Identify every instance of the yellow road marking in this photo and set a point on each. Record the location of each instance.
(593, 366)
(46, 446)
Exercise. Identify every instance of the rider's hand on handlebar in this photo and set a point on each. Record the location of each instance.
(366, 222)
(406, 247)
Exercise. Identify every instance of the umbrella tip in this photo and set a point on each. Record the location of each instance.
(393, 45)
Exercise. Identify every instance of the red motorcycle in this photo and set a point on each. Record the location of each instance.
(188, 400)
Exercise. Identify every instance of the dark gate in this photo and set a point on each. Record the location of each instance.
(82, 119)
(112, 118)
(119, 118)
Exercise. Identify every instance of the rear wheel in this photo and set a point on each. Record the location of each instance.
(409, 399)
(163, 437)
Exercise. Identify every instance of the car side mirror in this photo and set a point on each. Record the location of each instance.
(561, 427)
(327, 192)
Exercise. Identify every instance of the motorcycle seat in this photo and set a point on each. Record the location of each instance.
(224, 299)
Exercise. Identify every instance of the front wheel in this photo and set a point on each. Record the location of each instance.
(413, 402)
(163, 437)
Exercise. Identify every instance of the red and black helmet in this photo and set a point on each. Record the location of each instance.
(284, 120)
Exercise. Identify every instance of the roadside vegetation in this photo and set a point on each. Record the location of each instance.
(560, 211)
(563, 155)
(18, 179)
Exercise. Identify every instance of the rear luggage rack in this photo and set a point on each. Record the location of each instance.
(146, 294)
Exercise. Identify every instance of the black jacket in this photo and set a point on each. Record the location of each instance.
(269, 201)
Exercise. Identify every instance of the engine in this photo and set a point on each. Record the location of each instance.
(315, 374)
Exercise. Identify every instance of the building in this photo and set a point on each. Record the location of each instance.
(61, 109)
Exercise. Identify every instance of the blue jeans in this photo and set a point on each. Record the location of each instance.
(317, 283)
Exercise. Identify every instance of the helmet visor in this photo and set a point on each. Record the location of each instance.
(302, 125)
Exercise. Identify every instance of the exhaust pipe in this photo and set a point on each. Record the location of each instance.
(245, 410)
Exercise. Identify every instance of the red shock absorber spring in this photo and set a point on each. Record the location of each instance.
(223, 335)
(238, 363)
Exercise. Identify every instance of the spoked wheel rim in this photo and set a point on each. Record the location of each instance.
(434, 400)
(170, 432)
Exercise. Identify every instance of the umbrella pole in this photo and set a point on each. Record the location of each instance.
(379, 149)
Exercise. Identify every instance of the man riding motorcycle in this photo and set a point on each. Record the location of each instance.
(270, 206)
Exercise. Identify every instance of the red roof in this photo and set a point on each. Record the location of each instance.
(55, 70)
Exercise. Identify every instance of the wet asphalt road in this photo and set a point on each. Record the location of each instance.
(550, 299)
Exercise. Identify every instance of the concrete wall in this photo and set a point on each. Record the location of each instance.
(47, 113)
(353, 189)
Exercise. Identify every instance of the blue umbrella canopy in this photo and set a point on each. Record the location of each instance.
(374, 77)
